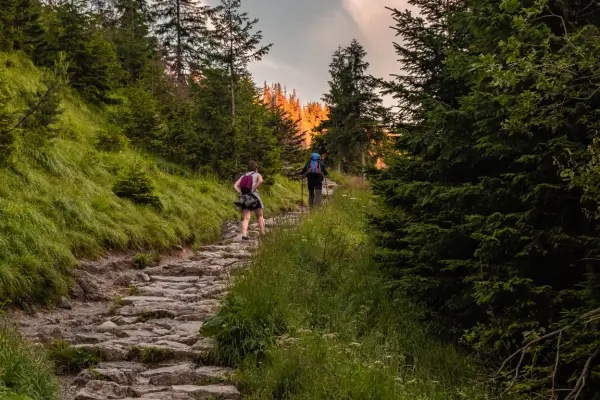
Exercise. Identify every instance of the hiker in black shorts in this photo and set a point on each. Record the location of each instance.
(250, 201)
(315, 171)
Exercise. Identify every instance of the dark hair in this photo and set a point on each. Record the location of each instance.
(252, 166)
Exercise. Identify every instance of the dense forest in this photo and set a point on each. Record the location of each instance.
(489, 213)
(182, 88)
(307, 117)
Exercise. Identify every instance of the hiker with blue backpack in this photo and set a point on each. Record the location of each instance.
(315, 172)
(247, 187)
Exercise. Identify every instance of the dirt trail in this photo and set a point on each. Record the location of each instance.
(145, 324)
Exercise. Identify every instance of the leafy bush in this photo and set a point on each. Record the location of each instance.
(25, 372)
(110, 140)
(137, 186)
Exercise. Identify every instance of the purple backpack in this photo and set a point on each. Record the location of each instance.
(247, 184)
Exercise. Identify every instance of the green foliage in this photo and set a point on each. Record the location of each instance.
(8, 132)
(141, 121)
(94, 69)
(44, 107)
(111, 140)
(25, 373)
(313, 320)
(137, 186)
(142, 261)
(483, 217)
(356, 114)
(181, 26)
(20, 25)
(70, 360)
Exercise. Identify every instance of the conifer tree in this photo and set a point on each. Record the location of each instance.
(133, 43)
(20, 25)
(181, 27)
(483, 220)
(235, 44)
(356, 111)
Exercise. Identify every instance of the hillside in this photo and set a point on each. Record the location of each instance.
(57, 202)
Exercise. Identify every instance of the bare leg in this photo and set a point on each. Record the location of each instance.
(246, 214)
(261, 220)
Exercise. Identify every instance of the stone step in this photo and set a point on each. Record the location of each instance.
(216, 392)
(183, 374)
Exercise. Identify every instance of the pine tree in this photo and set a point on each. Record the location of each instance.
(94, 69)
(20, 25)
(181, 27)
(234, 44)
(356, 111)
(133, 44)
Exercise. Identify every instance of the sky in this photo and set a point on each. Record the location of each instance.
(305, 33)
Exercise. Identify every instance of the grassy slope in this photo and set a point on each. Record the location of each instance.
(313, 320)
(56, 205)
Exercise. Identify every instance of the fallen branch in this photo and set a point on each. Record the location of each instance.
(574, 395)
(547, 336)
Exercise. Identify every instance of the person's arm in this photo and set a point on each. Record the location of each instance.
(236, 186)
(324, 169)
(303, 172)
(258, 183)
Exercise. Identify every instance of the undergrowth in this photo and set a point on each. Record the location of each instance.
(57, 202)
(25, 372)
(312, 319)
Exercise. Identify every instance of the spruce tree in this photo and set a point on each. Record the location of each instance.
(355, 118)
(20, 25)
(181, 27)
(234, 44)
(133, 43)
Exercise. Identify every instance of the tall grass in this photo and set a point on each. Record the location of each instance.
(313, 320)
(57, 205)
(24, 370)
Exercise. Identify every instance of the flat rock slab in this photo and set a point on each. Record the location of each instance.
(145, 299)
(185, 279)
(217, 392)
(172, 375)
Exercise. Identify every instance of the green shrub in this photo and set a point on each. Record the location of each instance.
(25, 372)
(68, 359)
(110, 141)
(137, 186)
(141, 261)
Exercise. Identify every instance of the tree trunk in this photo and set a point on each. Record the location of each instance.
(179, 55)
(232, 99)
(363, 161)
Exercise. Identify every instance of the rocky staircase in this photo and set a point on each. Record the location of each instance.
(148, 339)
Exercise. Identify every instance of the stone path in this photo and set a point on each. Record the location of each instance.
(149, 336)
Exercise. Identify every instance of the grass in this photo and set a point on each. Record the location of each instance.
(25, 372)
(313, 320)
(68, 359)
(57, 203)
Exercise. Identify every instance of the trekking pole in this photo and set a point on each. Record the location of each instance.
(302, 195)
